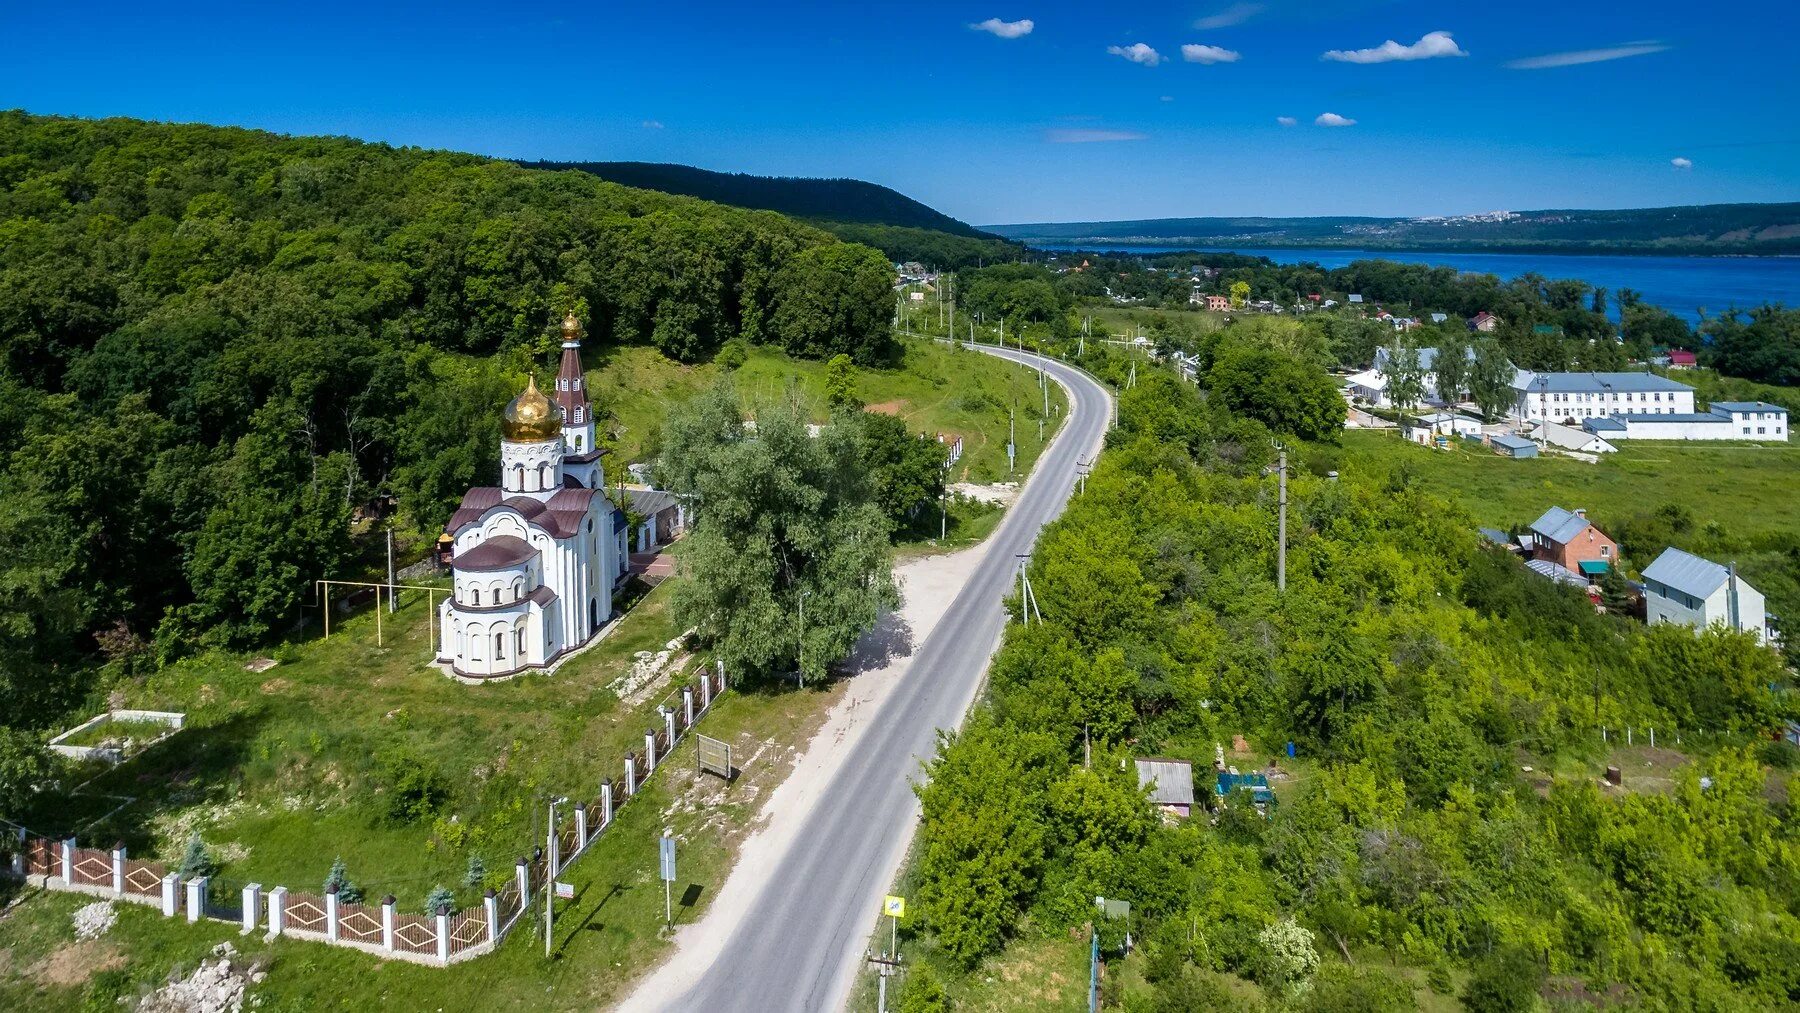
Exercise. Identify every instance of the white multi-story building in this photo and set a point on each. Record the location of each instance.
(537, 557)
(1680, 587)
(1574, 397)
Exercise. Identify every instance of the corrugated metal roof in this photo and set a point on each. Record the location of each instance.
(1686, 572)
(1559, 525)
(1510, 442)
(1599, 383)
(1171, 782)
(1556, 571)
(1495, 535)
(1674, 417)
(1749, 406)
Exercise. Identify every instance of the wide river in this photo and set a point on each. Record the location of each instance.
(1682, 285)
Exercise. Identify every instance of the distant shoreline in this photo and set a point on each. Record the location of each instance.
(1098, 244)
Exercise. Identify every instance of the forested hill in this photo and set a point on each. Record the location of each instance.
(1705, 228)
(215, 344)
(850, 209)
(835, 200)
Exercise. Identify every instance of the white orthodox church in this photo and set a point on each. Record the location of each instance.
(536, 558)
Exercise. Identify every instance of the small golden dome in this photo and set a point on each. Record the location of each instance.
(531, 417)
(571, 328)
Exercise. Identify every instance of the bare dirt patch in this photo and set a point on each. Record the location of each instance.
(888, 408)
(75, 963)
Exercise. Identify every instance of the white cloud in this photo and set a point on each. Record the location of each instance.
(1137, 52)
(1432, 44)
(1580, 56)
(1682, 163)
(1193, 53)
(1074, 136)
(1236, 14)
(653, 125)
(1286, 121)
(1005, 29)
(1334, 120)
(1168, 98)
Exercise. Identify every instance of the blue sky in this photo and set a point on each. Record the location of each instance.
(1472, 107)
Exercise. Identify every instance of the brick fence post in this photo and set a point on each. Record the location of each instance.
(331, 915)
(490, 906)
(387, 923)
(443, 937)
(722, 682)
(118, 870)
(687, 705)
(171, 895)
(252, 901)
(649, 753)
(277, 910)
(67, 856)
(705, 691)
(581, 827)
(606, 803)
(630, 777)
(524, 874)
(669, 726)
(18, 858)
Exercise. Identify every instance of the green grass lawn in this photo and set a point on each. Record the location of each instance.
(1747, 488)
(935, 388)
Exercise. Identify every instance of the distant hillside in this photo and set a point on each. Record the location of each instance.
(837, 200)
(1706, 228)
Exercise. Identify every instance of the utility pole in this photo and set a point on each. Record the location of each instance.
(1009, 441)
(390, 590)
(550, 871)
(803, 595)
(1281, 534)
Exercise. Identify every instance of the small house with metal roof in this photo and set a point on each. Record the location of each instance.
(1171, 783)
(1568, 539)
(1680, 587)
(1512, 446)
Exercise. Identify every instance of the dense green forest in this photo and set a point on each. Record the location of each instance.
(1702, 228)
(1440, 828)
(219, 347)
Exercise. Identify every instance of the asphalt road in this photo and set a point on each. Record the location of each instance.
(803, 944)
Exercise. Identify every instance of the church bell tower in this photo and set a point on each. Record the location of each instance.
(581, 453)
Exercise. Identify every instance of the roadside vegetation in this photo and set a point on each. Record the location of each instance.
(1440, 836)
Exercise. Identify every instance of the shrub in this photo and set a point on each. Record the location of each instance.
(476, 874)
(195, 861)
(1506, 982)
(731, 354)
(339, 879)
(413, 789)
(440, 900)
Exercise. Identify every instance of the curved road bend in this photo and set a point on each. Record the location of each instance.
(801, 943)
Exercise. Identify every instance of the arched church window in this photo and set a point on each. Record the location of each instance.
(478, 596)
(518, 589)
(544, 475)
(578, 435)
(519, 477)
(499, 646)
(519, 642)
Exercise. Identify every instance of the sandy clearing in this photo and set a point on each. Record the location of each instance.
(882, 658)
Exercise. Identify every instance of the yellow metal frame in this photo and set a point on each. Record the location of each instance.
(430, 603)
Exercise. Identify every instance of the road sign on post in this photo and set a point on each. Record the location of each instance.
(667, 854)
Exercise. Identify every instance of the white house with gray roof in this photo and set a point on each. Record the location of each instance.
(1681, 587)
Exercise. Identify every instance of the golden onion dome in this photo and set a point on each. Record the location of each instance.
(571, 328)
(531, 417)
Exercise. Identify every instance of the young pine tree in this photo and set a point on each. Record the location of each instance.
(440, 900)
(348, 892)
(195, 861)
(476, 874)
